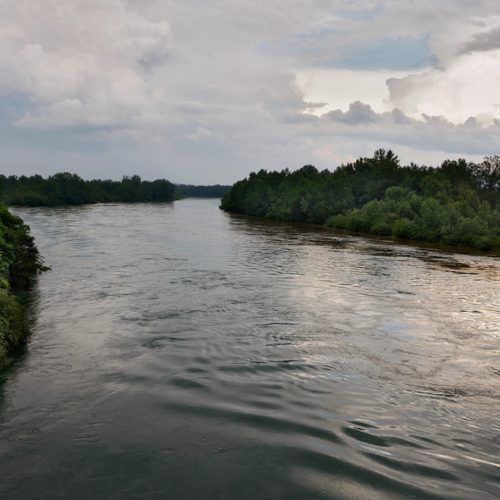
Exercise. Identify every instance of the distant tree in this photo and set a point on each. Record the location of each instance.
(69, 189)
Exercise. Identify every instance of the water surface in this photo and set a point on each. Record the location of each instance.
(181, 352)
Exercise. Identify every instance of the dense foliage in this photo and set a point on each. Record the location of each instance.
(19, 264)
(190, 191)
(70, 189)
(457, 203)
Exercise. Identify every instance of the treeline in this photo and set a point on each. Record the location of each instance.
(20, 262)
(190, 191)
(457, 203)
(70, 189)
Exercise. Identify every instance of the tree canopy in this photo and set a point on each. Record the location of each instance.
(69, 189)
(457, 203)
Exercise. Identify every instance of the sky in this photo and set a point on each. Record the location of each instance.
(206, 91)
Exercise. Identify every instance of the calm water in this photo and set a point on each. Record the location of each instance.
(180, 352)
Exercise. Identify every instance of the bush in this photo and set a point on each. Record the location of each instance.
(13, 329)
(403, 228)
(20, 262)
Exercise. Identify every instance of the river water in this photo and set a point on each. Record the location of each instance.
(182, 352)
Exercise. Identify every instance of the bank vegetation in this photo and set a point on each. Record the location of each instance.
(456, 204)
(20, 262)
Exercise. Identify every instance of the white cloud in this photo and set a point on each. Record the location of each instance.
(467, 86)
(80, 63)
(337, 88)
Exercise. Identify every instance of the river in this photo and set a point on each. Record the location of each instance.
(181, 352)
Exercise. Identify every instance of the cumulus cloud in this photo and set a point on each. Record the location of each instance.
(360, 113)
(80, 63)
(466, 87)
(427, 133)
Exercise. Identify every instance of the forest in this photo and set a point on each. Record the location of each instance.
(190, 191)
(20, 262)
(456, 204)
(69, 189)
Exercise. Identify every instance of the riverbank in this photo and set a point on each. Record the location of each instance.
(20, 262)
(378, 237)
(455, 205)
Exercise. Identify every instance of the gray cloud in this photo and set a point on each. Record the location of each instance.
(483, 42)
(360, 113)
(428, 132)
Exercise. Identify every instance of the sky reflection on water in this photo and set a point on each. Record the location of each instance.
(182, 352)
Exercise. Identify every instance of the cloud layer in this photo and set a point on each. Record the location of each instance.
(204, 92)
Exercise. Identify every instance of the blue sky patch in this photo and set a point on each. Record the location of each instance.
(333, 48)
(403, 53)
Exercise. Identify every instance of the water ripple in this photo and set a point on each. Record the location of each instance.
(181, 352)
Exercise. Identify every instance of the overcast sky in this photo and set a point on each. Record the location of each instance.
(205, 91)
